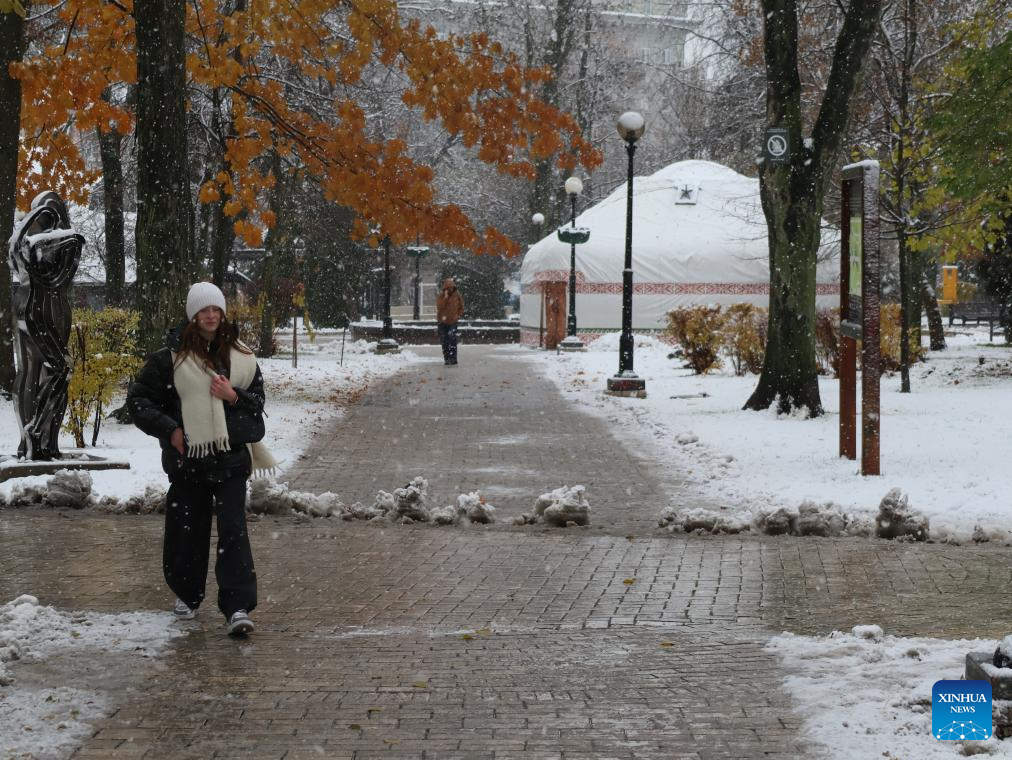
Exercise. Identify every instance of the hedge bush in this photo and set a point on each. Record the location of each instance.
(700, 332)
(827, 341)
(745, 337)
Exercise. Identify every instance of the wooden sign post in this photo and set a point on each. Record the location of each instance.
(860, 313)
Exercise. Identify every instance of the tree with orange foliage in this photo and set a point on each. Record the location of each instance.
(470, 87)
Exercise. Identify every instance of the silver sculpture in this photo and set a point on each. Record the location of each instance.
(43, 254)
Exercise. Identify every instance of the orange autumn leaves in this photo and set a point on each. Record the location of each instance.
(80, 50)
(280, 60)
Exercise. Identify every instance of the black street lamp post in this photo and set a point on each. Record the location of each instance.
(387, 344)
(298, 297)
(537, 219)
(626, 382)
(572, 235)
(418, 252)
(374, 288)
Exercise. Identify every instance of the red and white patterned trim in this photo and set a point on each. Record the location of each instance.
(666, 288)
(529, 336)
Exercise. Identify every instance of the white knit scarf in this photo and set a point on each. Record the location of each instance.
(204, 415)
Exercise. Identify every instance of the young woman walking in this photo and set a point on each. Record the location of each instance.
(202, 397)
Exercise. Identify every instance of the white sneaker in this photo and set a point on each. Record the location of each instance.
(239, 624)
(182, 611)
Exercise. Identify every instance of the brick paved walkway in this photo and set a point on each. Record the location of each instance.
(490, 423)
(421, 642)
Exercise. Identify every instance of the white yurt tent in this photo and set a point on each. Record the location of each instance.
(699, 238)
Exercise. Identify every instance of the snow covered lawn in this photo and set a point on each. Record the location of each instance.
(299, 402)
(946, 445)
(867, 695)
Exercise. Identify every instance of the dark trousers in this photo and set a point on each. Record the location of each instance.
(448, 340)
(188, 511)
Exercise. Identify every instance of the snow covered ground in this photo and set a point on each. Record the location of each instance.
(860, 694)
(864, 694)
(41, 721)
(945, 445)
(299, 402)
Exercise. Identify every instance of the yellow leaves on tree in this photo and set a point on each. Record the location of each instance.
(471, 87)
(103, 348)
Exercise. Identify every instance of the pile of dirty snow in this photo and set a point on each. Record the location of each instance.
(564, 507)
(895, 520)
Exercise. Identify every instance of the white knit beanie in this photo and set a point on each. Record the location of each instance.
(202, 295)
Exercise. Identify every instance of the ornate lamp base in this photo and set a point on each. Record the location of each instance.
(572, 343)
(628, 385)
(388, 346)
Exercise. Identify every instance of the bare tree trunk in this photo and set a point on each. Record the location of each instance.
(221, 243)
(793, 194)
(12, 42)
(203, 229)
(916, 273)
(164, 212)
(545, 197)
(936, 328)
(902, 206)
(109, 144)
(904, 309)
(274, 244)
(790, 372)
(222, 227)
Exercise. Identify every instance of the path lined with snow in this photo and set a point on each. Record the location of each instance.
(474, 642)
(945, 445)
(490, 424)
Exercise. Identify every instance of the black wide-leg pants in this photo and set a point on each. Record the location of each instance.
(188, 511)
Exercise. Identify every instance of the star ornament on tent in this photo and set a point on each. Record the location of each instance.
(686, 195)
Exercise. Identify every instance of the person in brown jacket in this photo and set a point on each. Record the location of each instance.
(449, 310)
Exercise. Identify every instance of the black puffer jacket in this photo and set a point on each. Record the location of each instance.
(157, 410)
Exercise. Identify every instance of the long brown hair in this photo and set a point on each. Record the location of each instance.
(226, 337)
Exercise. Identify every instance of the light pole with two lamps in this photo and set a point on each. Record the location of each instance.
(572, 235)
(627, 383)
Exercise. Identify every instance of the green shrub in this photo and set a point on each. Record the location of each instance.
(104, 353)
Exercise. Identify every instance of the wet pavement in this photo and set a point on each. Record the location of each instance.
(615, 641)
(491, 423)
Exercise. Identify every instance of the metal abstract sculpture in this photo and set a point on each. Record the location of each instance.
(43, 254)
